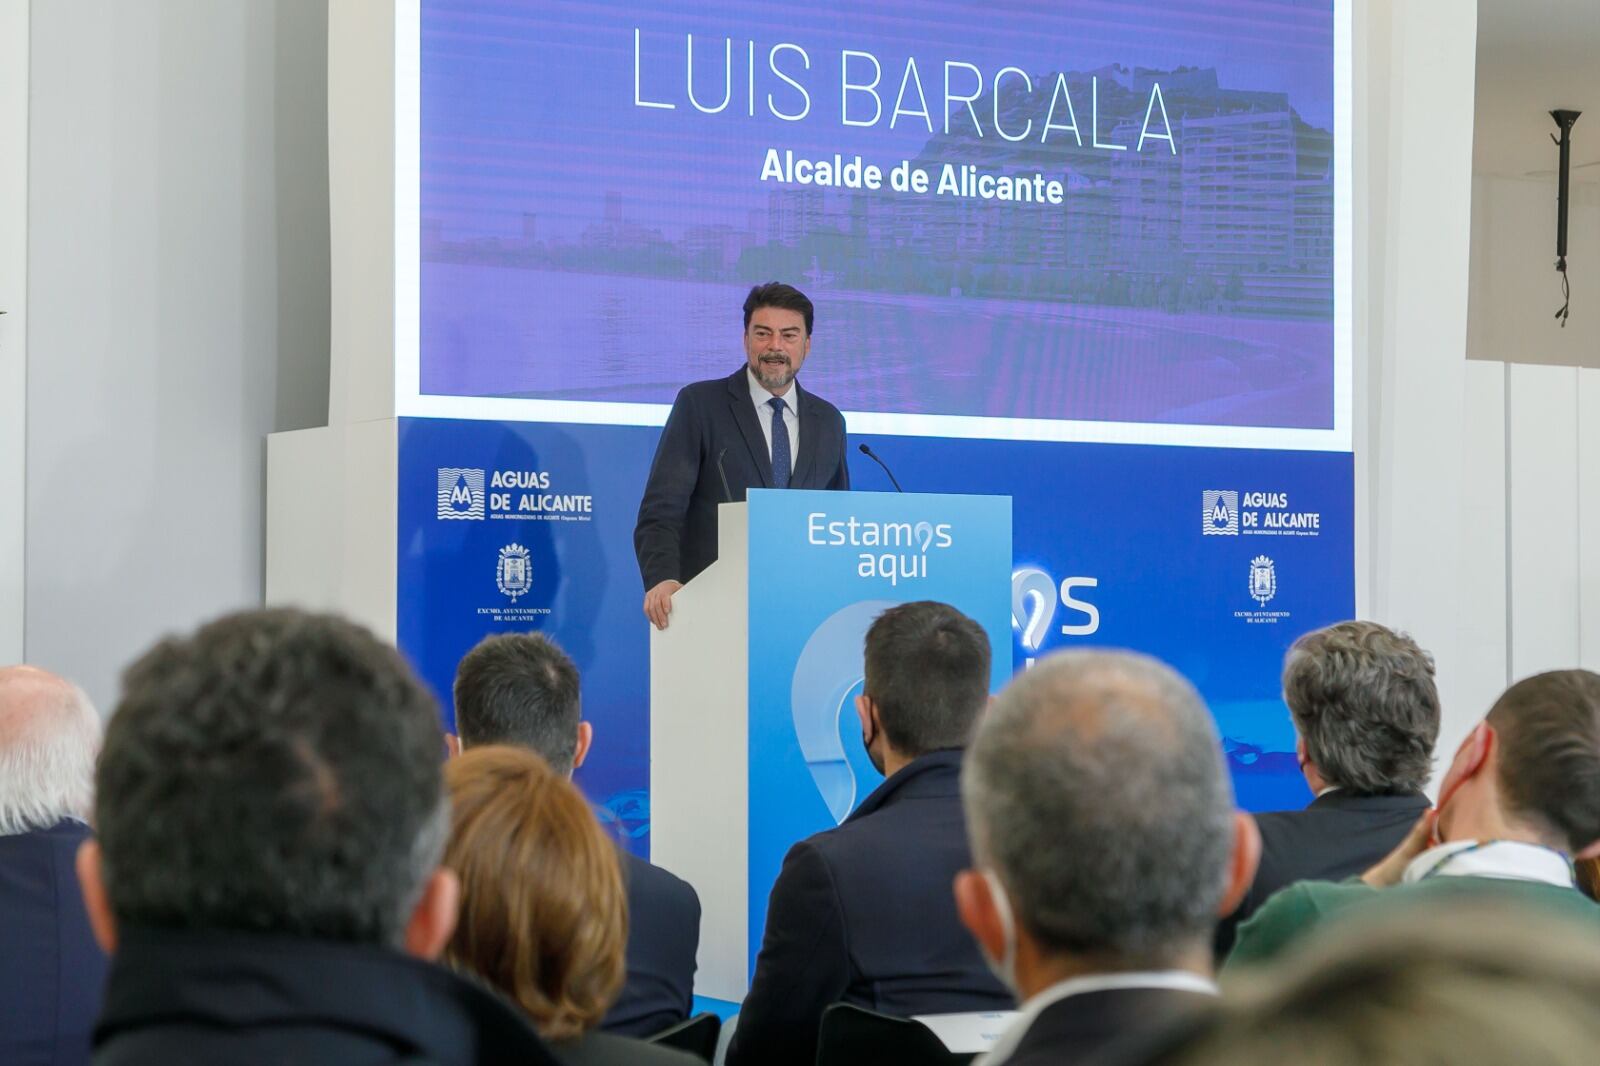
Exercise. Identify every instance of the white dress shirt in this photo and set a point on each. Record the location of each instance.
(791, 416)
(1006, 1046)
(1508, 860)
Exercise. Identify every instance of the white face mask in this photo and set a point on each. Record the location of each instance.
(1005, 968)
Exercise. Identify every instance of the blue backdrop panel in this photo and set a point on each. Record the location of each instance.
(1212, 559)
(1133, 533)
(579, 582)
(822, 566)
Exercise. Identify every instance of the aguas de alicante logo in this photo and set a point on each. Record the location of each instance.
(1231, 513)
(460, 493)
(475, 494)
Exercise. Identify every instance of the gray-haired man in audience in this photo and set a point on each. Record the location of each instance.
(1106, 844)
(1366, 716)
(51, 969)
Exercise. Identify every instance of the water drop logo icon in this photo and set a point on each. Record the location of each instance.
(1033, 605)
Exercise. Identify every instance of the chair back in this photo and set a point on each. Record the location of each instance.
(855, 1036)
(697, 1036)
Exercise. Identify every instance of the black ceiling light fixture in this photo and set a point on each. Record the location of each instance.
(1564, 120)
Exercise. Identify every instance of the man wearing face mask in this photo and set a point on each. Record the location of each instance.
(1106, 846)
(1520, 801)
(757, 429)
(863, 913)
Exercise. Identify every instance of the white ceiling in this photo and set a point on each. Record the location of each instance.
(1535, 56)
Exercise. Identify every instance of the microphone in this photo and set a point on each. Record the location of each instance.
(727, 493)
(870, 454)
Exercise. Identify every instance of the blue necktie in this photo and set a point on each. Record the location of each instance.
(780, 444)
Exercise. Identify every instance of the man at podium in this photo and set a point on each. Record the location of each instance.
(755, 429)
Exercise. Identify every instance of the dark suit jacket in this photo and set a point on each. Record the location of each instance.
(663, 936)
(865, 914)
(607, 1049)
(52, 972)
(1339, 835)
(208, 997)
(1079, 1028)
(676, 535)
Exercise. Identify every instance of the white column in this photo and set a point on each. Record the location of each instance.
(14, 20)
(361, 206)
(1415, 86)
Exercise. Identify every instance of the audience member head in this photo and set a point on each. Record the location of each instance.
(927, 682)
(275, 772)
(543, 910)
(49, 734)
(1531, 769)
(1365, 708)
(1453, 982)
(1102, 823)
(522, 689)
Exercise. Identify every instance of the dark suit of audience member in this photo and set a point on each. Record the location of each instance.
(1339, 835)
(676, 534)
(611, 1049)
(863, 913)
(1081, 1027)
(212, 997)
(52, 972)
(1366, 716)
(522, 690)
(663, 937)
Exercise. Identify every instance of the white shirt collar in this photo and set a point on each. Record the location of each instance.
(759, 394)
(1006, 1046)
(1507, 860)
(1327, 789)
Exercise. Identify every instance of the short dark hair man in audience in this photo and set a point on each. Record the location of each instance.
(271, 817)
(863, 913)
(522, 689)
(1106, 844)
(1521, 800)
(51, 969)
(1366, 714)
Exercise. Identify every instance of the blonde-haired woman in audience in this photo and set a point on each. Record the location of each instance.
(543, 909)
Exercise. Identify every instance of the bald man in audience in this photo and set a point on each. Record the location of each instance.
(51, 969)
(1105, 846)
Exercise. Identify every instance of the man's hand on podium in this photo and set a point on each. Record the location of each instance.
(658, 602)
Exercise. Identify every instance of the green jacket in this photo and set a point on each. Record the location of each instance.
(1298, 909)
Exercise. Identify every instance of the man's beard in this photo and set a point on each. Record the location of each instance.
(775, 375)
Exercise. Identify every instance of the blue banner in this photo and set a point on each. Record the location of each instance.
(1214, 560)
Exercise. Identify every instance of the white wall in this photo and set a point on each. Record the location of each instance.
(14, 324)
(1414, 76)
(1531, 560)
(178, 309)
(1515, 287)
